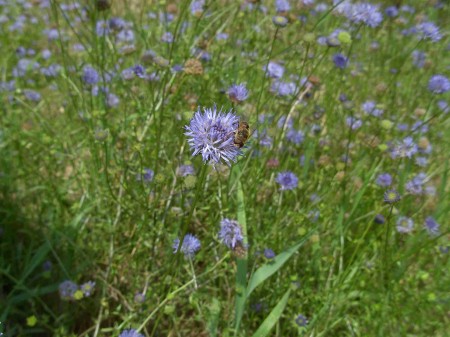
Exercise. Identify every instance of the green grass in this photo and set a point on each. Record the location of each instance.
(69, 192)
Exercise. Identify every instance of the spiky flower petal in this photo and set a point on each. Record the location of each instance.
(211, 134)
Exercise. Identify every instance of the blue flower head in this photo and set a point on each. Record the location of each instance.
(87, 288)
(340, 61)
(230, 233)
(90, 76)
(431, 226)
(384, 180)
(287, 180)
(189, 246)
(130, 333)
(67, 290)
(428, 31)
(405, 225)
(365, 13)
(439, 84)
(237, 93)
(211, 134)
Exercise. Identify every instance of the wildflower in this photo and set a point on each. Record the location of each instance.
(431, 226)
(365, 13)
(379, 219)
(130, 333)
(340, 61)
(415, 186)
(407, 148)
(391, 11)
(418, 58)
(230, 233)
(353, 123)
(384, 180)
(47, 266)
(421, 161)
(269, 253)
(428, 30)
(87, 288)
(211, 134)
(287, 180)
(185, 170)
(197, 7)
(404, 225)
(439, 84)
(279, 21)
(167, 37)
(237, 93)
(67, 290)
(112, 100)
(147, 176)
(32, 95)
(139, 71)
(370, 108)
(443, 106)
(189, 246)
(274, 70)
(295, 136)
(301, 320)
(282, 5)
(90, 75)
(139, 298)
(283, 88)
(391, 196)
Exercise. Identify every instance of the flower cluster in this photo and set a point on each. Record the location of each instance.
(211, 134)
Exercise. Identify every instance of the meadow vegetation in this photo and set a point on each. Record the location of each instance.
(224, 168)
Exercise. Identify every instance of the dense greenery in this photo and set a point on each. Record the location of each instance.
(95, 104)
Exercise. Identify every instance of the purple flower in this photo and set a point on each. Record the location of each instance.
(353, 122)
(287, 180)
(443, 106)
(67, 290)
(384, 180)
(391, 11)
(130, 333)
(230, 233)
(301, 321)
(431, 226)
(211, 134)
(87, 288)
(32, 95)
(391, 196)
(438, 84)
(283, 88)
(404, 225)
(139, 71)
(379, 219)
(125, 35)
(280, 21)
(282, 5)
(295, 136)
(189, 246)
(370, 108)
(167, 37)
(419, 58)
(185, 170)
(340, 61)
(112, 100)
(197, 7)
(407, 148)
(147, 176)
(428, 30)
(90, 75)
(415, 186)
(274, 70)
(365, 13)
(269, 253)
(139, 298)
(237, 93)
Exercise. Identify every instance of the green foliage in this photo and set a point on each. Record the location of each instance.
(92, 189)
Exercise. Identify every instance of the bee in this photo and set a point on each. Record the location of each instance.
(242, 134)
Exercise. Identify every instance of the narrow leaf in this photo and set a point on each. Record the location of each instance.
(273, 317)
